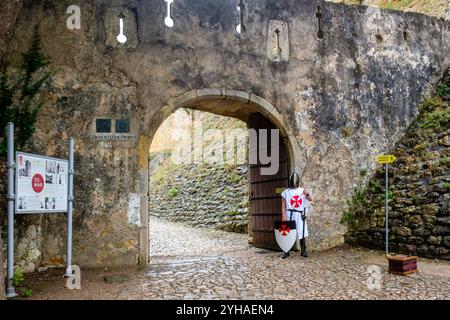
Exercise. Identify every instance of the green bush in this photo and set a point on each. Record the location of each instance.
(357, 205)
(18, 101)
(437, 119)
(443, 88)
(430, 105)
(27, 292)
(348, 218)
(18, 278)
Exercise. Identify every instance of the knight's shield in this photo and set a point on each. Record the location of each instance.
(285, 234)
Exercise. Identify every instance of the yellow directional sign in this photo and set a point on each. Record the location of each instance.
(279, 190)
(389, 158)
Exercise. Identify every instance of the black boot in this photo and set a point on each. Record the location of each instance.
(303, 248)
(285, 255)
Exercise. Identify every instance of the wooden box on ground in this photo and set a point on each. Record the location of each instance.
(402, 264)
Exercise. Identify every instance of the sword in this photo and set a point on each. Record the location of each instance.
(304, 222)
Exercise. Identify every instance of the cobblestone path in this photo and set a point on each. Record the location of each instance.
(190, 263)
(193, 263)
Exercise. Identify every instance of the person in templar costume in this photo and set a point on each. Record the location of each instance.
(293, 205)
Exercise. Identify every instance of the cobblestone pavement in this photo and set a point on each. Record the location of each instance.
(192, 263)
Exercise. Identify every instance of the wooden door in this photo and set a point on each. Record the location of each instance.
(265, 190)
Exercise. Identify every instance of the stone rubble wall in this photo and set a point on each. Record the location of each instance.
(202, 195)
(208, 195)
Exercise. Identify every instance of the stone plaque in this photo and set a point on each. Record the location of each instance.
(278, 41)
(103, 125)
(122, 126)
(113, 129)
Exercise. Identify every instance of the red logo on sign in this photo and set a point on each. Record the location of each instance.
(284, 230)
(37, 183)
(296, 201)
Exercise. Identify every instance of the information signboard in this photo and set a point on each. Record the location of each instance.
(41, 184)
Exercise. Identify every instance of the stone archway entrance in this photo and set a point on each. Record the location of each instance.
(258, 113)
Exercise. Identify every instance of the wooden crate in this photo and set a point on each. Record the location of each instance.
(402, 264)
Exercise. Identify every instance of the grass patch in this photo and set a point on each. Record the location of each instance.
(172, 192)
(18, 278)
(357, 205)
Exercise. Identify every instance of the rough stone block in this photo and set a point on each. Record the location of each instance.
(421, 232)
(434, 240)
(402, 231)
(444, 220)
(441, 230)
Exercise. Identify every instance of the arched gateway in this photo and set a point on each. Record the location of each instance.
(344, 98)
(258, 113)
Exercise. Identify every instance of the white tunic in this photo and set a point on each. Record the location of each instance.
(295, 199)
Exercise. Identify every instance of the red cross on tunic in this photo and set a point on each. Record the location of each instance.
(296, 201)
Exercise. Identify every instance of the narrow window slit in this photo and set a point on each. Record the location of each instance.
(320, 33)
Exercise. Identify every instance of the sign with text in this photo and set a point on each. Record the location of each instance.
(386, 159)
(41, 184)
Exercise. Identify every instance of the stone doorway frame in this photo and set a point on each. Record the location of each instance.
(296, 161)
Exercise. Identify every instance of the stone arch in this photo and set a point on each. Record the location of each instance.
(233, 103)
(221, 98)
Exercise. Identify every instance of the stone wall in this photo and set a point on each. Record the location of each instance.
(202, 195)
(419, 192)
(74, 91)
(198, 193)
(344, 98)
(9, 10)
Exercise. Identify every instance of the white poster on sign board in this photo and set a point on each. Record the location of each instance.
(41, 184)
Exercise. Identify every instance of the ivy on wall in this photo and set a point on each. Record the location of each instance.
(18, 95)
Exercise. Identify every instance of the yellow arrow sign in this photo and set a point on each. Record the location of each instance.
(389, 158)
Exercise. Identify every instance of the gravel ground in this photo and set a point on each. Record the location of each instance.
(195, 263)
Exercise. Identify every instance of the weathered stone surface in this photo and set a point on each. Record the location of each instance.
(444, 220)
(402, 231)
(202, 195)
(205, 264)
(434, 240)
(116, 278)
(9, 10)
(364, 76)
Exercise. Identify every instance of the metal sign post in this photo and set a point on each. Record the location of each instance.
(386, 159)
(26, 182)
(70, 209)
(387, 207)
(10, 291)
